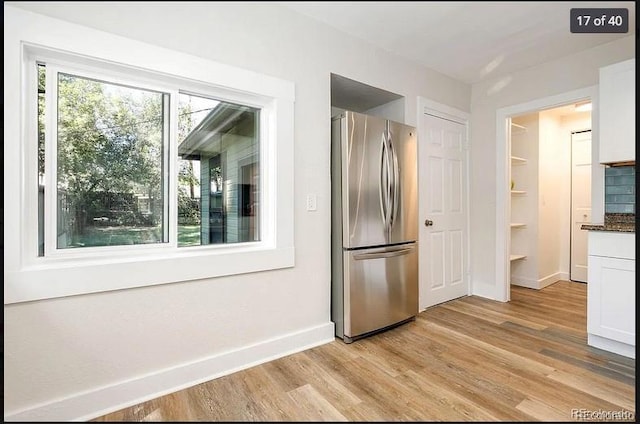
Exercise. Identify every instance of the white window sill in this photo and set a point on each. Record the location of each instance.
(60, 278)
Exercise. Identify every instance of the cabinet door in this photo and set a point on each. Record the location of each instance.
(612, 299)
(617, 112)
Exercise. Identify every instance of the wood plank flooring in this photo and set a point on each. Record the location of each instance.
(470, 359)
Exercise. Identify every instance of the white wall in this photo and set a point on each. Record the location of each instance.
(556, 77)
(74, 357)
(553, 176)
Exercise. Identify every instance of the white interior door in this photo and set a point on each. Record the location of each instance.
(580, 202)
(443, 235)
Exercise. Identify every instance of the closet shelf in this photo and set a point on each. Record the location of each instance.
(519, 129)
(515, 160)
(516, 257)
(518, 224)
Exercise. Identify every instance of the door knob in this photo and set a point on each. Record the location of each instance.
(428, 223)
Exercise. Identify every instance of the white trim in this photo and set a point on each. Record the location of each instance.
(560, 275)
(529, 283)
(101, 401)
(35, 283)
(28, 277)
(171, 158)
(611, 345)
(442, 111)
(430, 107)
(502, 292)
(51, 171)
(539, 283)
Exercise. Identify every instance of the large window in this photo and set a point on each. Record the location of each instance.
(104, 145)
(129, 165)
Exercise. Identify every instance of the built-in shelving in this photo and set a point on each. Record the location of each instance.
(519, 167)
(518, 129)
(515, 160)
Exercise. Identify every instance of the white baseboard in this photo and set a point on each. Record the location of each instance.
(540, 283)
(95, 403)
(524, 282)
(611, 346)
(552, 278)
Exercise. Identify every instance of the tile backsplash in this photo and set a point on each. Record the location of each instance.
(620, 189)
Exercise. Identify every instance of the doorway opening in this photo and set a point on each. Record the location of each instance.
(550, 188)
(523, 246)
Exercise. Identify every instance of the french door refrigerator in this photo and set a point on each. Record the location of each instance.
(374, 238)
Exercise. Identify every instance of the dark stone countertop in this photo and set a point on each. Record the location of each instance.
(615, 222)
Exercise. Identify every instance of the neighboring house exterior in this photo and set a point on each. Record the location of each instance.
(227, 147)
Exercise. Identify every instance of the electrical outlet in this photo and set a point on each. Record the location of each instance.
(311, 202)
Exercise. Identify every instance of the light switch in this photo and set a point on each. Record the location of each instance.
(311, 202)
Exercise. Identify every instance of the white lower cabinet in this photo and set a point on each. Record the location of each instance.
(611, 292)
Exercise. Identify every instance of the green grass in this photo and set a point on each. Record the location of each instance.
(188, 235)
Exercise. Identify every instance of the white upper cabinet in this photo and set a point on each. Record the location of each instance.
(617, 112)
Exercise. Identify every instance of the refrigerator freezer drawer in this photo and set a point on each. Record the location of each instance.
(380, 288)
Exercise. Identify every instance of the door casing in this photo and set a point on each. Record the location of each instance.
(502, 290)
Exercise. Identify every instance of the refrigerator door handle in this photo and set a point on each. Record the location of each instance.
(390, 185)
(396, 182)
(384, 254)
(384, 183)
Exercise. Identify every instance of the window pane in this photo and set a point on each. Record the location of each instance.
(110, 189)
(218, 172)
(41, 87)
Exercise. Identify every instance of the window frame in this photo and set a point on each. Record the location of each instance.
(65, 272)
(52, 68)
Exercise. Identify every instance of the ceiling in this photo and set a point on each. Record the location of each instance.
(469, 41)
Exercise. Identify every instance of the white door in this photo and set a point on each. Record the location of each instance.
(580, 202)
(443, 235)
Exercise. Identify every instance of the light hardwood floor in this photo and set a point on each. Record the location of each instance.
(469, 359)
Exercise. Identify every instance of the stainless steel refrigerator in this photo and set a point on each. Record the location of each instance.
(374, 276)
